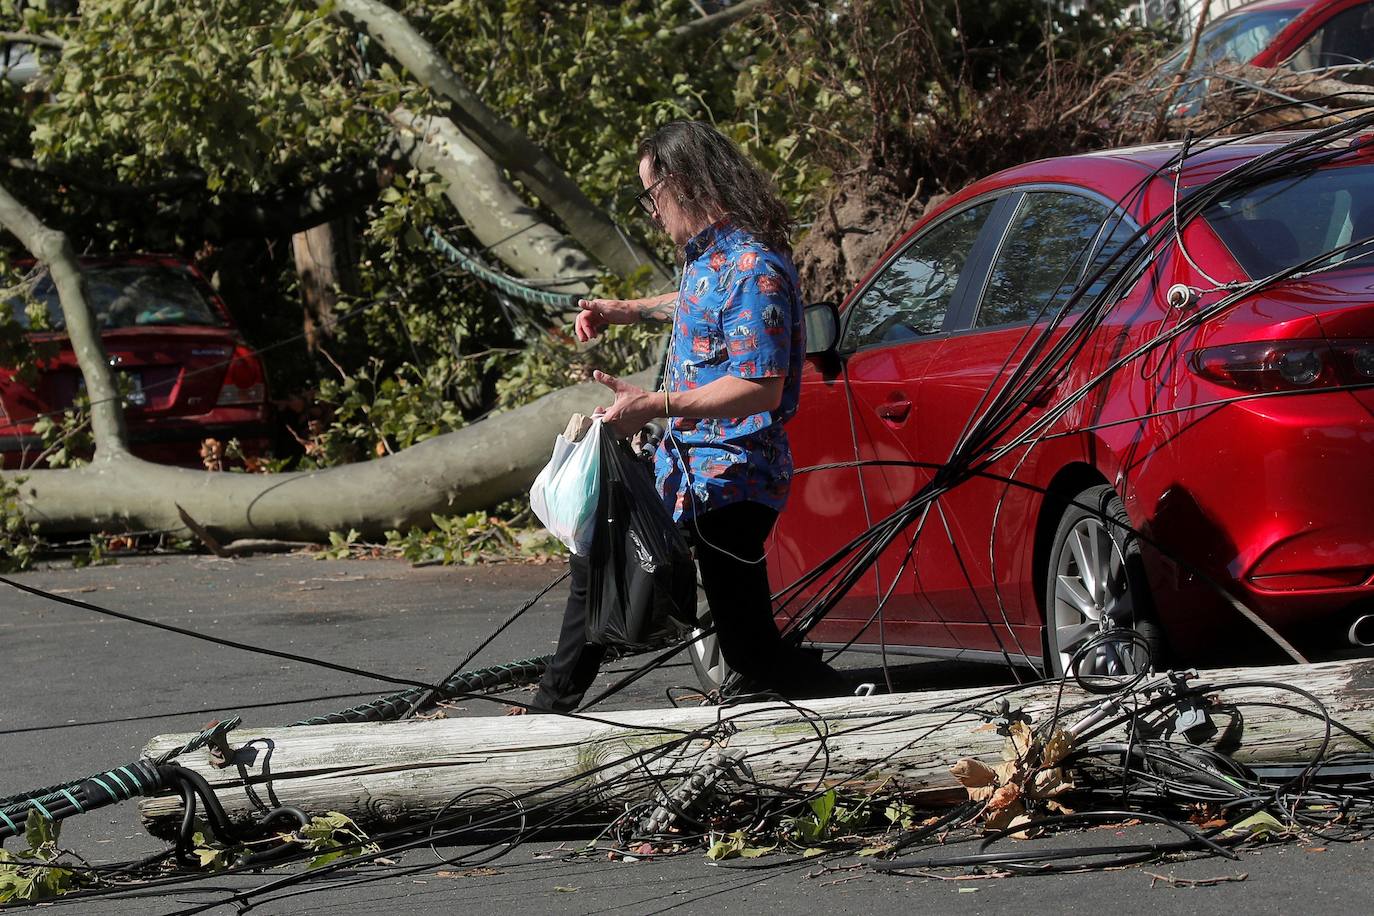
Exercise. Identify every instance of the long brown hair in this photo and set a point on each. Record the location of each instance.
(711, 175)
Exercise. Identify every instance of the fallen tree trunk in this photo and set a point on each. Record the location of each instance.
(405, 772)
(462, 471)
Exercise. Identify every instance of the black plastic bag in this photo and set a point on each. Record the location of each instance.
(642, 574)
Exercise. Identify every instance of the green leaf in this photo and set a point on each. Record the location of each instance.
(325, 858)
(1259, 826)
(207, 857)
(823, 806)
(735, 845)
(723, 849)
(39, 832)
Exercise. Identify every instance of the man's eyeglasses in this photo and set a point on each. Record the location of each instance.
(646, 200)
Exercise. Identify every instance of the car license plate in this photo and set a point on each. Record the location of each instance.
(134, 383)
(131, 383)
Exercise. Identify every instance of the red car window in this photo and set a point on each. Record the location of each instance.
(909, 297)
(1239, 37)
(1042, 256)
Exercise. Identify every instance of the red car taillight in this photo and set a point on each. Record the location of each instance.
(244, 382)
(1287, 365)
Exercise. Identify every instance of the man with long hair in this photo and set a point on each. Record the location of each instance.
(733, 378)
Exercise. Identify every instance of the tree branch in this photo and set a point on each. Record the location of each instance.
(717, 21)
(29, 38)
(53, 249)
(492, 209)
(503, 141)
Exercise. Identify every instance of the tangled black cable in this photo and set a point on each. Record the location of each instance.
(989, 437)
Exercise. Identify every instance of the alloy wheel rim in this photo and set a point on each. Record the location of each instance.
(1092, 593)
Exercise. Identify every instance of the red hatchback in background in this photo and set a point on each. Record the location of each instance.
(1240, 447)
(188, 373)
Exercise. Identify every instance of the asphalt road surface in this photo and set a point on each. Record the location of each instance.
(85, 692)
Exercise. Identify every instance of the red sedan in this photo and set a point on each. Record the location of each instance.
(187, 373)
(1239, 450)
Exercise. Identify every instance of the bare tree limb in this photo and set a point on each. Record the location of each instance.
(718, 21)
(1162, 117)
(503, 141)
(491, 207)
(54, 250)
(30, 38)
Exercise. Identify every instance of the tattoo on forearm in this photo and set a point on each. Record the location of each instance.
(658, 311)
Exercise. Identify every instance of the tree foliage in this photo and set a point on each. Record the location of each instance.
(172, 126)
(262, 95)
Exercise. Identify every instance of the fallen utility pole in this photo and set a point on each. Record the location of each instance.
(398, 773)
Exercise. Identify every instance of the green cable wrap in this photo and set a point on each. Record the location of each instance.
(508, 285)
(393, 706)
(57, 802)
(203, 738)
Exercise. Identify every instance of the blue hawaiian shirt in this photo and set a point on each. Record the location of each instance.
(739, 313)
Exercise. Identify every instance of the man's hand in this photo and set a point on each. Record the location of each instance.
(596, 314)
(632, 408)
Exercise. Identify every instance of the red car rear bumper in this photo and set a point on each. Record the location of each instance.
(1271, 497)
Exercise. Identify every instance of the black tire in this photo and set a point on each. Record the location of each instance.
(1095, 579)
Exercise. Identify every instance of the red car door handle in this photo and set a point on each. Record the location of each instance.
(894, 411)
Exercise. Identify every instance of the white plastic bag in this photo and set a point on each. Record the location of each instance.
(565, 493)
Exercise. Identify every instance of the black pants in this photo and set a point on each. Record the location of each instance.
(738, 594)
